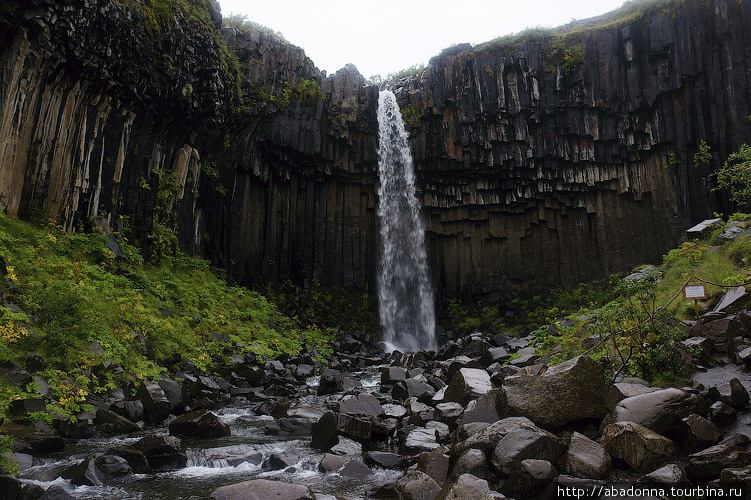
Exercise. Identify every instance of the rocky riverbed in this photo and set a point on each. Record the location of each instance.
(483, 417)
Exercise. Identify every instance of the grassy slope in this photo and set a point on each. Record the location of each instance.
(72, 291)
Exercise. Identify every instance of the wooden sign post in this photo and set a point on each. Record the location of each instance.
(695, 291)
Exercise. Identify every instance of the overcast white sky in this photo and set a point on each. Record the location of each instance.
(384, 36)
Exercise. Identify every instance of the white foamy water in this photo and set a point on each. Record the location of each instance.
(405, 295)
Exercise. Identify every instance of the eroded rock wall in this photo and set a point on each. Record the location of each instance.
(535, 168)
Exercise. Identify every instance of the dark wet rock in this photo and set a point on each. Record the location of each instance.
(457, 491)
(416, 485)
(300, 421)
(707, 464)
(383, 459)
(347, 447)
(110, 422)
(330, 462)
(199, 423)
(523, 442)
(136, 459)
(494, 355)
(82, 427)
(132, 410)
(32, 441)
(363, 404)
(733, 300)
(735, 475)
(660, 411)
(448, 412)
(324, 432)
(722, 413)
(641, 448)
(394, 410)
(586, 458)
(489, 407)
(10, 487)
(173, 390)
(473, 482)
(416, 387)
(573, 390)
(668, 474)
(26, 405)
(528, 478)
(392, 374)
(163, 453)
(84, 473)
(472, 462)
(696, 433)
(435, 464)
(112, 468)
(15, 375)
(262, 489)
(355, 469)
(467, 384)
(488, 436)
(155, 403)
(279, 461)
(419, 440)
(56, 493)
(732, 393)
(622, 390)
(525, 360)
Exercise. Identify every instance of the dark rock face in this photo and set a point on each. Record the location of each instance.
(199, 423)
(560, 173)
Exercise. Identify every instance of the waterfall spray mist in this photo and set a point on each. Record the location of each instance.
(405, 296)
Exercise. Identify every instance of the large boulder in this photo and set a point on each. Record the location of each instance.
(660, 411)
(490, 407)
(641, 448)
(156, 406)
(363, 404)
(528, 478)
(526, 441)
(574, 390)
(707, 464)
(467, 384)
(163, 453)
(262, 489)
(199, 423)
(416, 485)
(585, 458)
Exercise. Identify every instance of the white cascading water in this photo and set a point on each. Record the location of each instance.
(405, 295)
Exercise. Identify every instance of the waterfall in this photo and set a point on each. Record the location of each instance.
(405, 295)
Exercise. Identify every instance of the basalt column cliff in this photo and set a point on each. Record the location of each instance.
(543, 159)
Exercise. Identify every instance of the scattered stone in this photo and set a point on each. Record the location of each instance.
(641, 448)
(622, 390)
(660, 411)
(110, 422)
(416, 485)
(585, 458)
(279, 461)
(706, 465)
(473, 462)
(526, 441)
(573, 390)
(722, 413)
(199, 423)
(363, 404)
(155, 403)
(696, 433)
(355, 469)
(668, 474)
(435, 464)
(420, 439)
(330, 462)
(732, 300)
(467, 384)
(163, 453)
(528, 478)
(262, 489)
(383, 459)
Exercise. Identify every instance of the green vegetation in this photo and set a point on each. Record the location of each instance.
(242, 23)
(304, 91)
(74, 291)
(410, 116)
(564, 55)
(735, 176)
(637, 332)
(414, 70)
